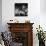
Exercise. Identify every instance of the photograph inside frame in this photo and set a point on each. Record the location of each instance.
(21, 9)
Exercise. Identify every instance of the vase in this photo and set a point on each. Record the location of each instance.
(41, 43)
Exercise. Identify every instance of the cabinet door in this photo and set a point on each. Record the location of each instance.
(20, 37)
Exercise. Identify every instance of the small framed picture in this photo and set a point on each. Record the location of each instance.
(21, 9)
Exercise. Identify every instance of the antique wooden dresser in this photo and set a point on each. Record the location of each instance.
(22, 33)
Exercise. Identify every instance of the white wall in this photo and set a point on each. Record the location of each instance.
(34, 15)
(8, 11)
(43, 6)
(43, 14)
(0, 14)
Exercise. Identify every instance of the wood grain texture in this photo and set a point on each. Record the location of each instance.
(22, 27)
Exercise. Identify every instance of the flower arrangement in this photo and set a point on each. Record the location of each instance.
(40, 33)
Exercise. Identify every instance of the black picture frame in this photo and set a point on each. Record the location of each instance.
(21, 9)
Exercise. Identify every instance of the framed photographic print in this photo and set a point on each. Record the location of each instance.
(21, 9)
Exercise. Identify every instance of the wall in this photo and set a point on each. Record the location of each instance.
(8, 11)
(43, 6)
(0, 14)
(34, 15)
(43, 14)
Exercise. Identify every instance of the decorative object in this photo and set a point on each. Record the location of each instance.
(21, 9)
(14, 21)
(11, 20)
(27, 21)
(41, 36)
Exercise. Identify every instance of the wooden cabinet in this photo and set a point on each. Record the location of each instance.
(22, 33)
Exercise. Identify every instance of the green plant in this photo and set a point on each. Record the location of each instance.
(40, 34)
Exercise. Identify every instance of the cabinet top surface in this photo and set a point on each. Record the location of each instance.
(19, 23)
